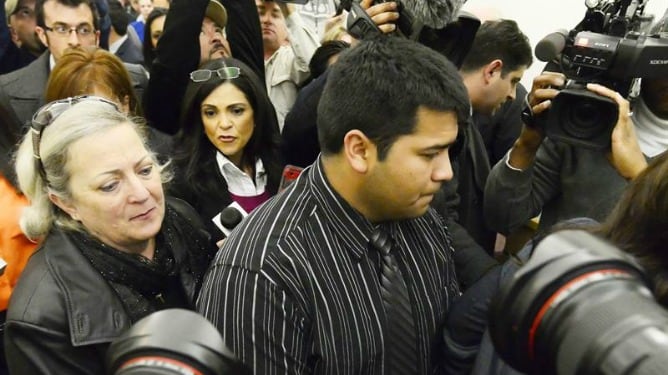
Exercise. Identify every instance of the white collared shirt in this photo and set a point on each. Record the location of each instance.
(113, 47)
(238, 182)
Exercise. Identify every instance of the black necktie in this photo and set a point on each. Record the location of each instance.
(401, 339)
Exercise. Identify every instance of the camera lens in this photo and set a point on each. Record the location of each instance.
(171, 342)
(582, 118)
(579, 306)
(587, 118)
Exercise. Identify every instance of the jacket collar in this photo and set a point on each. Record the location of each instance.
(33, 78)
(88, 297)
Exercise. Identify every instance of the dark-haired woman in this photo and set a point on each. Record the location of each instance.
(228, 148)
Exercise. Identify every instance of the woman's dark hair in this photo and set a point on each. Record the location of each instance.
(638, 224)
(197, 154)
(148, 49)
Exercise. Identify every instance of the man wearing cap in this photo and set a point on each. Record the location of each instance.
(286, 54)
(212, 23)
(20, 27)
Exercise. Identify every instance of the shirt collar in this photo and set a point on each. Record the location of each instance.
(226, 165)
(348, 224)
(238, 182)
(52, 62)
(113, 47)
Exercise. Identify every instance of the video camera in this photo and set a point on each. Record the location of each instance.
(609, 47)
(579, 306)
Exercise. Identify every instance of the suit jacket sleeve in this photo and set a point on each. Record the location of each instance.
(471, 260)
(513, 197)
(244, 34)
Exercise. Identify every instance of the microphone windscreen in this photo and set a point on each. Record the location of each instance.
(434, 13)
(548, 48)
(230, 217)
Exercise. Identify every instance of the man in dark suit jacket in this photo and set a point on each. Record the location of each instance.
(123, 40)
(59, 26)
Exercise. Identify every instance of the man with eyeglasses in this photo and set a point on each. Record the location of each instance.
(61, 24)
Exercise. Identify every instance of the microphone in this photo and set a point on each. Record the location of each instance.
(434, 13)
(551, 45)
(229, 218)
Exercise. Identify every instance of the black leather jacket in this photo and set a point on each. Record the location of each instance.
(63, 315)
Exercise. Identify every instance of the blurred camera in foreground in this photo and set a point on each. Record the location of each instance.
(172, 342)
(580, 306)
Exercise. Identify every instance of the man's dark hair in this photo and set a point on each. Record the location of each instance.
(377, 88)
(320, 59)
(39, 10)
(120, 19)
(499, 39)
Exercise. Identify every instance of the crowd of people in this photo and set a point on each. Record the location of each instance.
(129, 128)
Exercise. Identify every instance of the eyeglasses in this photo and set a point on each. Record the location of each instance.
(83, 30)
(226, 72)
(47, 114)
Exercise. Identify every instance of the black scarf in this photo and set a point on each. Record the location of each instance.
(143, 285)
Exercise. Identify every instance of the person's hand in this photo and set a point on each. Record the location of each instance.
(335, 21)
(625, 154)
(544, 88)
(384, 15)
(220, 243)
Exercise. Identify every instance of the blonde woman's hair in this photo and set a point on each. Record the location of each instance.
(81, 120)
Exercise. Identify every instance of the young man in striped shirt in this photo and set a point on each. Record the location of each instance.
(299, 286)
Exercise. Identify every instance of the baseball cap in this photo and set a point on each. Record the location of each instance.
(216, 11)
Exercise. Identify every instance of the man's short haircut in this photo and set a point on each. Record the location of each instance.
(39, 10)
(499, 39)
(120, 18)
(378, 86)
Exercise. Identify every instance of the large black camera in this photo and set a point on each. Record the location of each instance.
(172, 342)
(580, 306)
(609, 47)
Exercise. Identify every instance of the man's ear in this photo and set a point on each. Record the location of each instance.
(41, 34)
(64, 205)
(492, 69)
(358, 150)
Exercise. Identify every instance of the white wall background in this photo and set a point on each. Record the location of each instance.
(537, 18)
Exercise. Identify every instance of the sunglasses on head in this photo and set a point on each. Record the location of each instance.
(226, 72)
(47, 114)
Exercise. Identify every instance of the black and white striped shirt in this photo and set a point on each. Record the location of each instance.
(295, 289)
